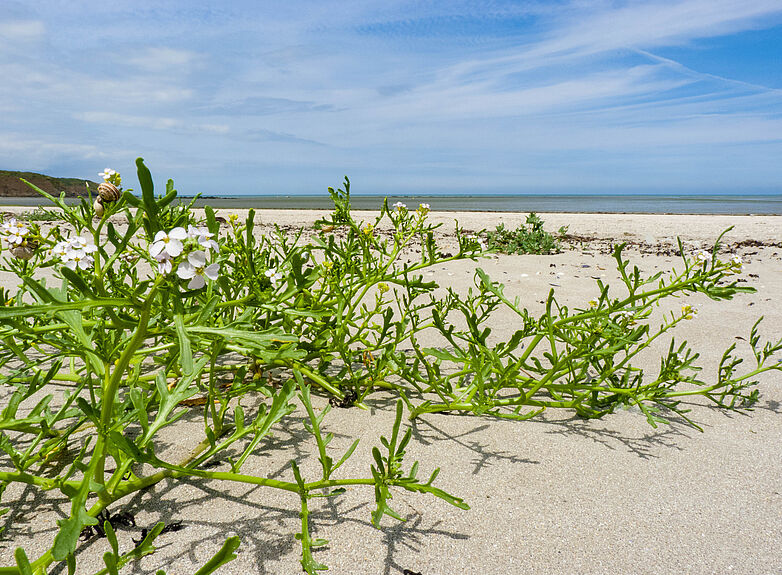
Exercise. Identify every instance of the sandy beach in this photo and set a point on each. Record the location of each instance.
(557, 494)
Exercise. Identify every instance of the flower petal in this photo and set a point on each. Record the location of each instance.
(156, 248)
(212, 271)
(197, 282)
(173, 247)
(185, 271)
(164, 266)
(178, 233)
(197, 259)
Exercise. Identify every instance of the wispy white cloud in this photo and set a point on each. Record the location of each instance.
(434, 94)
(163, 123)
(39, 153)
(161, 59)
(653, 24)
(21, 30)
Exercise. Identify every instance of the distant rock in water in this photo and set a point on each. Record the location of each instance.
(11, 185)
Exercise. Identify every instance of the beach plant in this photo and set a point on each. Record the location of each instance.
(166, 316)
(584, 359)
(530, 238)
(143, 320)
(41, 214)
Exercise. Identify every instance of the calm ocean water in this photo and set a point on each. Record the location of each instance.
(640, 204)
(647, 204)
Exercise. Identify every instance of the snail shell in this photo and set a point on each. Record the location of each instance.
(97, 205)
(109, 192)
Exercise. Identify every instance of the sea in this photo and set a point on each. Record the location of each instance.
(539, 203)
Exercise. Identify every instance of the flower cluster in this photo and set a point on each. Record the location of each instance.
(14, 232)
(472, 241)
(190, 248)
(400, 207)
(75, 253)
(424, 209)
(111, 176)
(689, 312)
(702, 257)
(625, 317)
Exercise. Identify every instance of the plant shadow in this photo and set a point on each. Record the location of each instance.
(427, 432)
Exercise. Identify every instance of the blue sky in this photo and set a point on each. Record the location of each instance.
(403, 97)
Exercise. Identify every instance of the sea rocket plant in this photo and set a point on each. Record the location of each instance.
(123, 356)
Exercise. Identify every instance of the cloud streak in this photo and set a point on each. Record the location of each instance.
(513, 95)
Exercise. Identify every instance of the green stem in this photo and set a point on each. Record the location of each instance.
(112, 385)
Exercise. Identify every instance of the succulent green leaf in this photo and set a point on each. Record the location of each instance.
(226, 554)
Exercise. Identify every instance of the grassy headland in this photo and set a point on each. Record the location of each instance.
(12, 186)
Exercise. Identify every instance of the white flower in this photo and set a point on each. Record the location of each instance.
(164, 264)
(203, 237)
(400, 206)
(625, 316)
(273, 275)
(78, 259)
(169, 243)
(194, 232)
(702, 257)
(424, 208)
(14, 231)
(476, 239)
(60, 249)
(75, 252)
(736, 262)
(107, 173)
(81, 244)
(195, 269)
